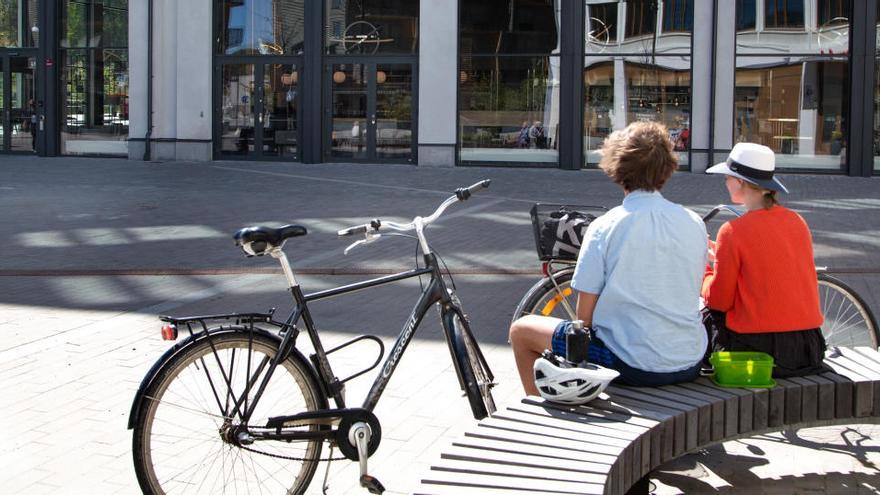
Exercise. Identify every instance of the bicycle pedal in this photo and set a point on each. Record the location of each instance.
(372, 484)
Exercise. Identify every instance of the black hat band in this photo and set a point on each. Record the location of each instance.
(747, 171)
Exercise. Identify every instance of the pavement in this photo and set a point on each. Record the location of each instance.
(95, 249)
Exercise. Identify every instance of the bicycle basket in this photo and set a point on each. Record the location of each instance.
(559, 228)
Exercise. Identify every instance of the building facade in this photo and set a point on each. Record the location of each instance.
(536, 83)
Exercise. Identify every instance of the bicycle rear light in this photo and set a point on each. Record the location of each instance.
(169, 332)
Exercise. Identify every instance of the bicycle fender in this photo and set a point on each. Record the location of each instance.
(193, 339)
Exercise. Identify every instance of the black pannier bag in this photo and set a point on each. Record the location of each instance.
(559, 229)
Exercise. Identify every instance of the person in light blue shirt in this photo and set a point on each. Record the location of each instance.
(638, 275)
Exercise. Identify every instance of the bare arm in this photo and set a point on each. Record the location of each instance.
(586, 303)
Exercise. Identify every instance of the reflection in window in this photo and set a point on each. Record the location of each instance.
(746, 11)
(508, 27)
(636, 92)
(602, 22)
(260, 27)
(17, 20)
(641, 17)
(94, 77)
(833, 12)
(784, 14)
(369, 27)
(509, 110)
(678, 15)
(797, 109)
(639, 22)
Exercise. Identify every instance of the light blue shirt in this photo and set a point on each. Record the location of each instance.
(645, 259)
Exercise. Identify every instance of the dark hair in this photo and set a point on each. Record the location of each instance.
(639, 156)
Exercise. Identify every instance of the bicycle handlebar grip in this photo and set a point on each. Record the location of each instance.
(360, 229)
(464, 193)
(357, 229)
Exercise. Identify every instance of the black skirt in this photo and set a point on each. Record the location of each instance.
(795, 353)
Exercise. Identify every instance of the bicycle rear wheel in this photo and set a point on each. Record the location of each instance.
(848, 321)
(184, 438)
(545, 297)
(474, 370)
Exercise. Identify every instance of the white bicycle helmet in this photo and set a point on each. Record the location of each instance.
(562, 382)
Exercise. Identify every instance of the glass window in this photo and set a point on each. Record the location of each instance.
(639, 21)
(18, 24)
(784, 14)
(94, 77)
(797, 107)
(641, 17)
(628, 90)
(509, 110)
(371, 27)
(833, 12)
(746, 13)
(260, 27)
(678, 15)
(876, 140)
(509, 27)
(645, 77)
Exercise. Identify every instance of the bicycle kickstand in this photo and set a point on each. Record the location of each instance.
(359, 435)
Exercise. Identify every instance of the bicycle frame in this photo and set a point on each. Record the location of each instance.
(434, 292)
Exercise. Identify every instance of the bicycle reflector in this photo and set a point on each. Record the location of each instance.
(169, 332)
(545, 269)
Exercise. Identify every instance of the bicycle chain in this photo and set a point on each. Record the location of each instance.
(290, 458)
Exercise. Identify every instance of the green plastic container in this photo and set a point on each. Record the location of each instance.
(743, 369)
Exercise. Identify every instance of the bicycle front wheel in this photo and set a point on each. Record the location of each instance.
(545, 297)
(848, 321)
(185, 440)
(474, 370)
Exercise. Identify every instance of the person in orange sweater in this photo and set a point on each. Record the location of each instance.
(762, 286)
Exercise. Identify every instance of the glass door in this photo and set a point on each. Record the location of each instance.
(259, 110)
(18, 128)
(394, 116)
(370, 112)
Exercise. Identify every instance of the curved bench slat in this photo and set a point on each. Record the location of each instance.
(611, 444)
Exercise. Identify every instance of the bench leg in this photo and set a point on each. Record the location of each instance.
(641, 487)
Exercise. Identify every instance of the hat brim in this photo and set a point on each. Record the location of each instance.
(773, 184)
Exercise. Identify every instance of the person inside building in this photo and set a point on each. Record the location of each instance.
(637, 276)
(761, 280)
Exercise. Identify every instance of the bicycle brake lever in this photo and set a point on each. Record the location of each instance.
(368, 238)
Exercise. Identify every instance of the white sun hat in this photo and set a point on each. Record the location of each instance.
(753, 163)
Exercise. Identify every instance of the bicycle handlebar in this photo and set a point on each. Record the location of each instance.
(461, 194)
(718, 209)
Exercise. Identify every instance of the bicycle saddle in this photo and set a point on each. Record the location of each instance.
(255, 241)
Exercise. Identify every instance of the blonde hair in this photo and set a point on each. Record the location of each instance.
(640, 156)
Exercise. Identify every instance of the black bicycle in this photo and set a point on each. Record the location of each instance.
(236, 406)
(847, 319)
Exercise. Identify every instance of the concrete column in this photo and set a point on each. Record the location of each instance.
(165, 77)
(701, 91)
(137, 77)
(725, 79)
(193, 82)
(438, 82)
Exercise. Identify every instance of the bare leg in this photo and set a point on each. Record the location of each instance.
(529, 336)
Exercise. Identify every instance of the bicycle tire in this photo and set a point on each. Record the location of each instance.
(475, 373)
(177, 442)
(847, 321)
(544, 299)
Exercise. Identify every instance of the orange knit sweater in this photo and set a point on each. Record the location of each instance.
(764, 276)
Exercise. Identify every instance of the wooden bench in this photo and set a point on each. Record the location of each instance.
(611, 445)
